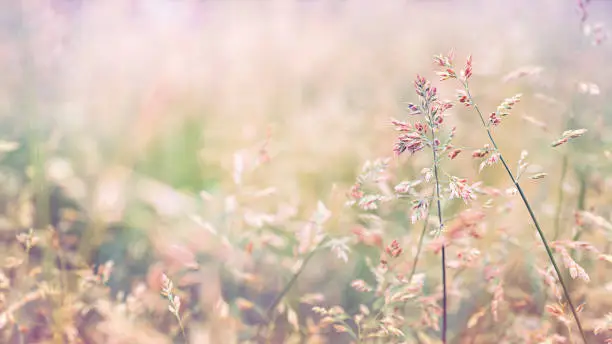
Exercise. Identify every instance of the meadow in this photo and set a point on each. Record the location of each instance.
(311, 172)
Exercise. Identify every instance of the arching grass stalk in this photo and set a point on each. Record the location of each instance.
(448, 72)
(268, 314)
(279, 297)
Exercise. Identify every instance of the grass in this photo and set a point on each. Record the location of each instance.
(227, 174)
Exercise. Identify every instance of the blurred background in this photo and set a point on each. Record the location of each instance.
(161, 134)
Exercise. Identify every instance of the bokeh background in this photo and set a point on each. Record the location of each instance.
(156, 132)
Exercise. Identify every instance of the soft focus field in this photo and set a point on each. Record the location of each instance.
(216, 144)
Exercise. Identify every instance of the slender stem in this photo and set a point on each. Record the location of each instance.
(570, 335)
(181, 326)
(434, 148)
(560, 198)
(444, 321)
(580, 205)
(531, 213)
(268, 312)
(420, 245)
(583, 189)
(293, 279)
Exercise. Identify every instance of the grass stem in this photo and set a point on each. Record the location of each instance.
(531, 213)
(441, 223)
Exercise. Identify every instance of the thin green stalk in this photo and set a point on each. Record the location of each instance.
(293, 279)
(420, 245)
(178, 318)
(580, 206)
(531, 213)
(560, 198)
(569, 123)
(441, 222)
(583, 189)
(581, 201)
(267, 314)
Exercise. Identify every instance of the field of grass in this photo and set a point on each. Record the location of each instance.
(264, 171)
